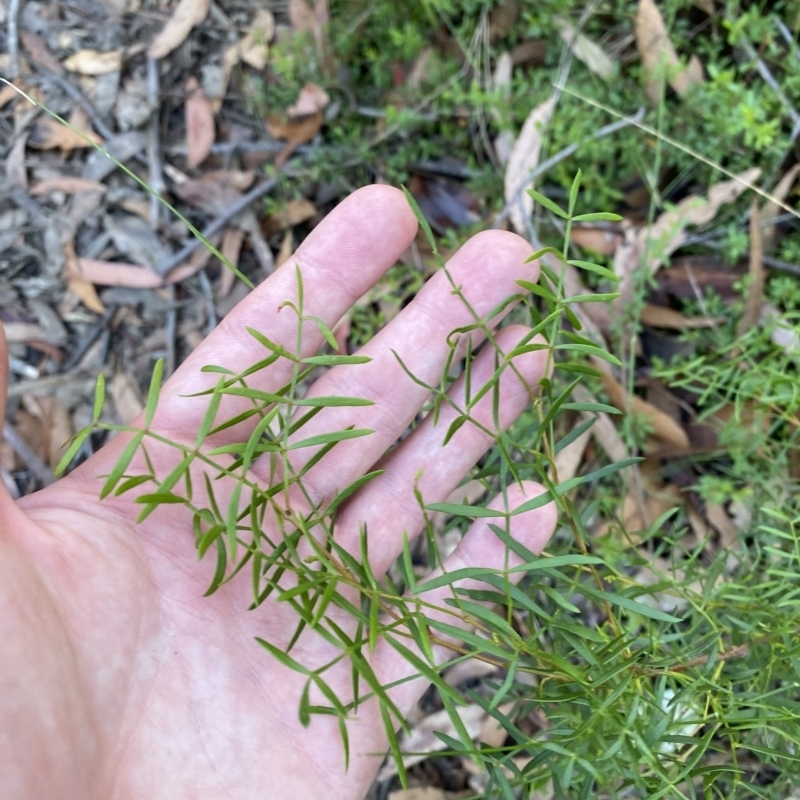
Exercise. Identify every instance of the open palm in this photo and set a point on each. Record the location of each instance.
(119, 680)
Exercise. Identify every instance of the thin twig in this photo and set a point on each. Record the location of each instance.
(156, 178)
(12, 39)
(569, 150)
(256, 193)
(40, 470)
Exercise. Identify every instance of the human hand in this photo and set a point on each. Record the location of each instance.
(120, 680)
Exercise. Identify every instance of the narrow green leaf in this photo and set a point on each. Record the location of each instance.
(152, 394)
(99, 398)
(325, 331)
(334, 436)
(131, 483)
(547, 203)
(593, 298)
(160, 498)
(122, 464)
(454, 427)
(599, 216)
(472, 512)
(208, 538)
(589, 266)
(538, 289)
(394, 746)
(573, 192)
(284, 659)
(421, 219)
(580, 369)
(210, 415)
(628, 604)
(333, 361)
(598, 407)
(232, 518)
(352, 489)
(334, 402)
(543, 251)
(277, 349)
(577, 431)
(72, 450)
(591, 350)
(219, 572)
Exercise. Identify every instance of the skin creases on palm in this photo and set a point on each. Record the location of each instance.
(123, 681)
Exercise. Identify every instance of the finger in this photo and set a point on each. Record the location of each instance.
(486, 269)
(387, 505)
(5, 497)
(481, 547)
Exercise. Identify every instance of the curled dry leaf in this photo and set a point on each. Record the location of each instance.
(523, 159)
(312, 98)
(296, 211)
(126, 397)
(668, 232)
(94, 62)
(585, 50)
(252, 48)
(664, 427)
(67, 185)
(295, 131)
(598, 240)
(48, 133)
(186, 15)
(200, 127)
(657, 54)
(36, 47)
(254, 45)
(114, 273)
(663, 317)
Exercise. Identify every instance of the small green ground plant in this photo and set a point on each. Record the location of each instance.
(641, 701)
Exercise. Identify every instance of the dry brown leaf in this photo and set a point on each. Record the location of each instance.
(301, 15)
(231, 248)
(598, 240)
(16, 172)
(94, 62)
(296, 132)
(755, 294)
(585, 50)
(36, 47)
(126, 397)
(48, 133)
(67, 185)
(200, 127)
(523, 159)
(186, 15)
(664, 427)
(468, 670)
(254, 45)
(492, 733)
(312, 98)
(503, 19)
(663, 317)
(423, 740)
(657, 53)
(296, 211)
(82, 288)
(668, 232)
(239, 179)
(705, 5)
(724, 525)
(286, 249)
(115, 273)
(252, 48)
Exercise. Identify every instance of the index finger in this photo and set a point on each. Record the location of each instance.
(340, 261)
